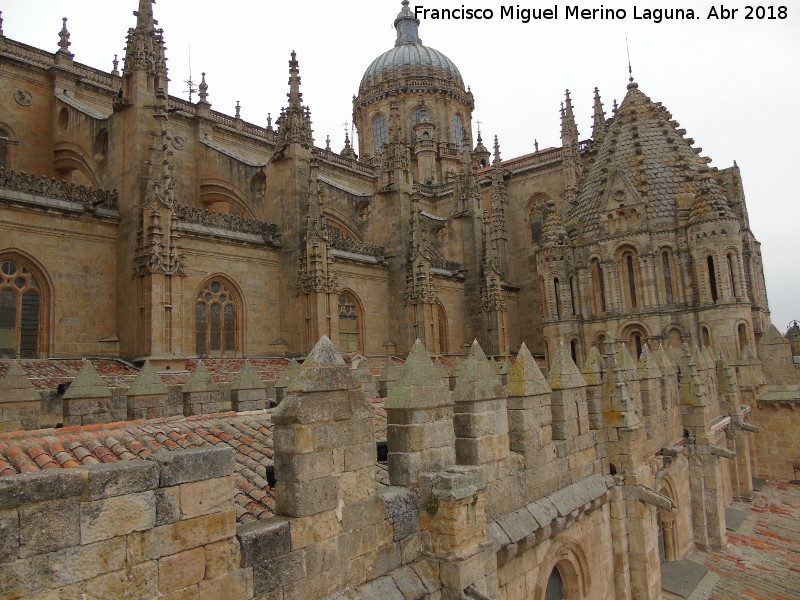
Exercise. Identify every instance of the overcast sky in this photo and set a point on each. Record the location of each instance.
(732, 84)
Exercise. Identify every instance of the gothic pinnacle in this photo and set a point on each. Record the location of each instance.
(599, 126)
(294, 95)
(496, 160)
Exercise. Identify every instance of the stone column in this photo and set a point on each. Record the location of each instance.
(19, 401)
(88, 400)
(147, 396)
(419, 421)
(248, 391)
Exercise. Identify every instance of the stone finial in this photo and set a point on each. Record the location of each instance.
(564, 373)
(238, 110)
(476, 352)
(1, 24)
(496, 160)
(147, 383)
(200, 380)
(17, 387)
(63, 41)
(526, 378)
(115, 64)
(594, 367)
(203, 90)
(323, 370)
(247, 378)
(626, 360)
(87, 384)
(648, 366)
(494, 366)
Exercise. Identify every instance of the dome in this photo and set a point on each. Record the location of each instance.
(409, 51)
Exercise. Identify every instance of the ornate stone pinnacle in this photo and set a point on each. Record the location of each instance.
(63, 35)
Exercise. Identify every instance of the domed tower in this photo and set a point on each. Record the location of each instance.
(414, 95)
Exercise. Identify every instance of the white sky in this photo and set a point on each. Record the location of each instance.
(733, 85)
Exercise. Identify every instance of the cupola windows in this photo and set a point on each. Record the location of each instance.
(380, 133)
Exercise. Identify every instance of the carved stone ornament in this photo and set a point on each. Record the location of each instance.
(178, 142)
(23, 97)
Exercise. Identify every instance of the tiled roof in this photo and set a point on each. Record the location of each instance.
(649, 151)
(249, 433)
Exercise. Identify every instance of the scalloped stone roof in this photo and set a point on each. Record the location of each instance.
(646, 148)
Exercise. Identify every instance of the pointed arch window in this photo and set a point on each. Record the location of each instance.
(216, 320)
(20, 311)
(442, 322)
(458, 132)
(380, 133)
(555, 586)
(743, 336)
(349, 318)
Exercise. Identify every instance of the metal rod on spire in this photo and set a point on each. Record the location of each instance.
(628, 50)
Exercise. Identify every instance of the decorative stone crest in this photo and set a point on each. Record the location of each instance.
(23, 97)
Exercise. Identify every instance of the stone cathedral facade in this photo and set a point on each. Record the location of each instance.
(137, 225)
(195, 233)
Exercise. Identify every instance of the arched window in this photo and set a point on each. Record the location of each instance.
(458, 132)
(742, 335)
(555, 586)
(598, 287)
(572, 296)
(216, 320)
(712, 278)
(666, 265)
(637, 343)
(630, 275)
(705, 336)
(543, 298)
(20, 311)
(732, 263)
(536, 214)
(3, 149)
(348, 324)
(380, 133)
(573, 349)
(557, 290)
(442, 319)
(415, 118)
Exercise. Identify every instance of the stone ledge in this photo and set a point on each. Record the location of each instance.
(40, 486)
(261, 541)
(120, 478)
(194, 464)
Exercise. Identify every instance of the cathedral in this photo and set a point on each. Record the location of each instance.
(163, 265)
(195, 233)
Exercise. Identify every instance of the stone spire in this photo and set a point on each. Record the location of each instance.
(407, 26)
(87, 384)
(481, 153)
(295, 122)
(316, 273)
(496, 161)
(202, 91)
(17, 387)
(571, 165)
(599, 126)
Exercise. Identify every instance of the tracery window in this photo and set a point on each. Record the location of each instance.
(20, 308)
(458, 131)
(348, 324)
(380, 133)
(216, 319)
